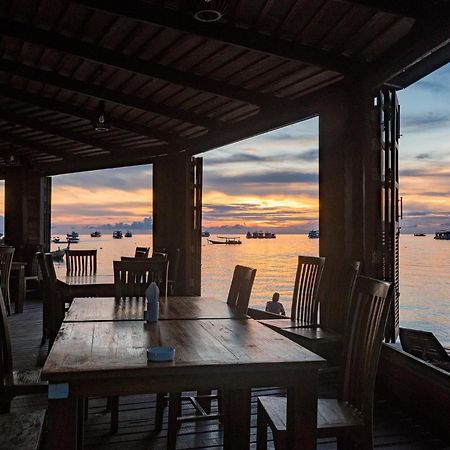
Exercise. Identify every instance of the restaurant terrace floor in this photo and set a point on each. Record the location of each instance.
(393, 428)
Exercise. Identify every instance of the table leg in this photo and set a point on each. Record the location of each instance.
(20, 295)
(62, 424)
(236, 419)
(302, 413)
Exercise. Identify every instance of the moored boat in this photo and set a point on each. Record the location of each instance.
(419, 234)
(227, 240)
(313, 234)
(128, 234)
(260, 235)
(205, 234)
(117, 234)
(442, 235)
(56, 240)
(96, 234)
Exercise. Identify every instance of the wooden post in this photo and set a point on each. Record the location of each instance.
(177, 217)
(27, 212)
(349, 183)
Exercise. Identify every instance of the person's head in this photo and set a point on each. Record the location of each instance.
(275, 297)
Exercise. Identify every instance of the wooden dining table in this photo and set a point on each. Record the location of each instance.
(109, 358)
(103, 309)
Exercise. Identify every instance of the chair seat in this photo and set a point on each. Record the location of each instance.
(31, 376)
(21, 431)
(331, 415)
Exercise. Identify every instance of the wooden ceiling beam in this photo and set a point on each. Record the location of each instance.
(425, 38)
(406, 8)
(13, 138)
(76, 111)
(54, 130)
(239, 37)
(100, 55)
(102, 93)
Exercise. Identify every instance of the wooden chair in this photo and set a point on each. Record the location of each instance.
(131, 278)
(349, 418)
(54, 294)
(81, 262)
(241, 288)
(238, 298)
(12, 382)
(305, 303)
(142, 252)
(6, 258)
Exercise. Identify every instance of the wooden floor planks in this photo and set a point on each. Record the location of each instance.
(393, 430)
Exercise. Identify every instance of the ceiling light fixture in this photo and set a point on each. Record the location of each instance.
(101, 122)
(209, 10)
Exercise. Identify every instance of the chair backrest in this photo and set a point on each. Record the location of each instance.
(53, 303)
(241, 288)
(131, 278)
(335, 293)
(81, 262)
(6, 258)
(363, 339)
(306, 289)
(6, 363)
(142, 251)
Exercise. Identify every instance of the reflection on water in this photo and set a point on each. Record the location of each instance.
(424, 271)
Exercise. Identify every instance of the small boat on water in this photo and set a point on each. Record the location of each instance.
(442, 235)
(205, 234)
(96, 234)
(73, 235)
(313, 234)
(128, 234)
(227, 240)
(260, 235)
(419, 234)
(56, 240)
(117, 234)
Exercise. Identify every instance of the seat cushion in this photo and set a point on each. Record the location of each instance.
(21, 431)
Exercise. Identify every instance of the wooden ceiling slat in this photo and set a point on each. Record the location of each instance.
(121, 61)
(240, 37)
(100, 92)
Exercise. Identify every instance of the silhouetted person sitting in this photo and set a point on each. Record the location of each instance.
(274, 306)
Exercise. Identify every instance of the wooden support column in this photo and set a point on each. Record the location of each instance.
(177, 217)
(27, 212)
(349, 183)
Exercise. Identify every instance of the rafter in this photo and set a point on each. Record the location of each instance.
(406, 8)
(13, 138)
(76, 111)
(44, 127)
(425, 38)
(248, 39)
(99, 92)
(118, 60)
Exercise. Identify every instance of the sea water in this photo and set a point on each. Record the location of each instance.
(424, 271)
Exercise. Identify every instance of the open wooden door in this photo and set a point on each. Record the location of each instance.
(388, 118)
(196, 254)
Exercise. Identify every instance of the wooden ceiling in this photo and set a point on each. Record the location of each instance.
(173, 84)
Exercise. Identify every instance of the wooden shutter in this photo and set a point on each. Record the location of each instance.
(196, 240)
(388, 116)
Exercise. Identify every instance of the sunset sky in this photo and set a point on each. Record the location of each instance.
(270, 182)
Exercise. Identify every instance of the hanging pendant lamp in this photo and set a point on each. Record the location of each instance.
(101, 122)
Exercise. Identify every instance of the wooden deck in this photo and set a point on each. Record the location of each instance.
(394, 429)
